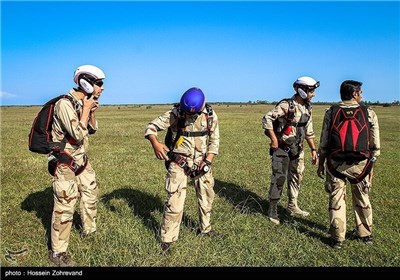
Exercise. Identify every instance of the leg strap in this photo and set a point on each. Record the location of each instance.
(181, 161)
(366, 170)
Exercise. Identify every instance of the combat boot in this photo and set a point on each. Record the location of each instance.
(166, 248)
(61, 259)
(273, 212)
(294, 210)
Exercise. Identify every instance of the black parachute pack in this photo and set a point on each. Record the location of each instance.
(40, 140)
(349, 132)
(170, 140)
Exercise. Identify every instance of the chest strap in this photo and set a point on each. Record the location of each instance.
(194, 133)
(298, 124)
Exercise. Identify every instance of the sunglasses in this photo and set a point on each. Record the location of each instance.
(312, 88)
(98, 83)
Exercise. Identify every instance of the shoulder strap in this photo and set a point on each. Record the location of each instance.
(210, 117)
(290, 113)
(169, 140)
(181, 117)
(75, 104)
(364, 108)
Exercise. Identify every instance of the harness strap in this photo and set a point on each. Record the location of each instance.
(284, 146)
(181, 161)
(366, 170)
(194, 133)
(71, 140)
(68, 160)
(67, 138)
(209, 117)
(298, 124)
(291, 110)
(288, 150)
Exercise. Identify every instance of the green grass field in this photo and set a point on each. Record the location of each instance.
(132, 193)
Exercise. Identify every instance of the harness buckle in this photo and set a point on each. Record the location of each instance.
(182, 163)
(74, 166)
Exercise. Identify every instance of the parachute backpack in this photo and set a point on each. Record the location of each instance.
(349, 139)
(40, 140)
(349, 133)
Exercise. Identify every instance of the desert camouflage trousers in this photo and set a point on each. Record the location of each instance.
(360, 200)
(67, 189)
(284, 168)
(176, 187)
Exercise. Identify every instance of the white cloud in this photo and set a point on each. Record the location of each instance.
(4, 94)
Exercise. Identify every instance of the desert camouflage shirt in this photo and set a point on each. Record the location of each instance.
(189, 146)
(67, 122)
(278, 116)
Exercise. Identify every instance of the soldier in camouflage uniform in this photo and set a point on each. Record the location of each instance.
(194, 130)
(74, 176)
(340, 171)
(287, 125)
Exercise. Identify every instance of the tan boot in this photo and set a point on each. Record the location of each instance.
(273, 212)
(61, 259)
(294, 210)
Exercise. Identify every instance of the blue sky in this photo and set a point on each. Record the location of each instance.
(151, 52)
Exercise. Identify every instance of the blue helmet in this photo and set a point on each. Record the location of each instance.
(193, 100)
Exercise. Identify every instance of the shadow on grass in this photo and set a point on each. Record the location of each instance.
(247, 202)
(307, 227)
(242, 200)
(143, 206)
(41, 203)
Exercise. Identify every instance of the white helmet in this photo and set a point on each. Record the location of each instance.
(86, 75)
(304, 84)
